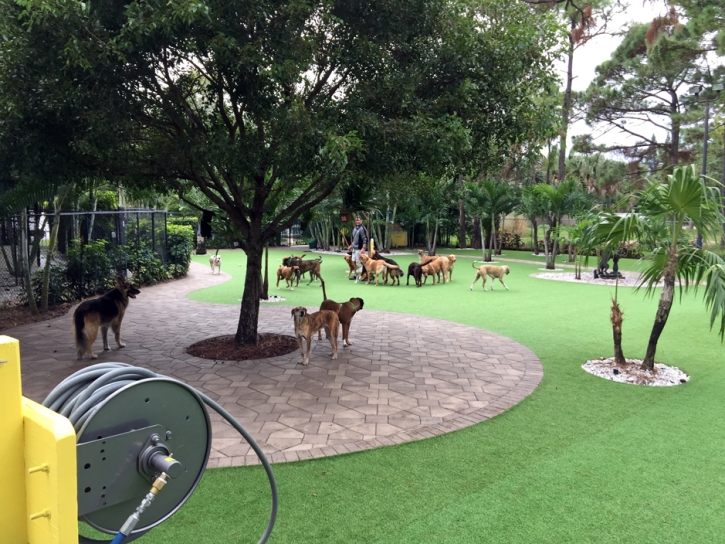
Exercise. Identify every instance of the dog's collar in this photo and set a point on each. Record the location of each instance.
(354, 310)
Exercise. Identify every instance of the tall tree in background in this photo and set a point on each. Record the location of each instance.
(584, 24)
(266, 106)
(638, 90)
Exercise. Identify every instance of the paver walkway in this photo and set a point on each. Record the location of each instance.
(405, 378)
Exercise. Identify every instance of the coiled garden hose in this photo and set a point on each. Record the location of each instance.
(79, 395)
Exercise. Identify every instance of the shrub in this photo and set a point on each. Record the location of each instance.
(60, 289)
(509, 240)
(180, 243)
(89, 267)
(145, 267)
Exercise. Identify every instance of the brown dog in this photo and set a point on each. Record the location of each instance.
(433, 268)
(451, 261)
(345, 312)
(307, 324)
(350, 265)
(102, 312)
(495, 272)
(377, 267)
(288, 273)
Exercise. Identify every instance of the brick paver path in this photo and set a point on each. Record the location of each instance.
(405, 377)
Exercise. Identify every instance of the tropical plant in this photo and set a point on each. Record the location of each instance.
(490, 200)
(683, 198)
(565, 199)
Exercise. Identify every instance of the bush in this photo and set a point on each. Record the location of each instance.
(180, 242)
(89, 268)
(60, 289)
(145, 267)
(510, 240)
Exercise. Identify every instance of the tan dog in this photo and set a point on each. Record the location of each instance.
(434, 268)
(345, 312)
(288, 273)
(350, 265)
(451, 261)
(488, 270)
(307, 324)
(373, 266)
(215, 261)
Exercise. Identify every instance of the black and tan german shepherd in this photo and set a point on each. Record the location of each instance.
(104, 311)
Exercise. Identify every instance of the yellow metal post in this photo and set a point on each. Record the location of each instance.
(38, 503)
(13, 527)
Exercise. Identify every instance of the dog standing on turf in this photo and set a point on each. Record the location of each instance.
(102, 312)
(489, 270)
(215, 261)
(307, 324)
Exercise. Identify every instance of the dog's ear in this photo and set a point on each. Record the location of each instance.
(362, 303)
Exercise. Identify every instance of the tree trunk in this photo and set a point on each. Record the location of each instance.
(435, 237)
(547, 240)
(249, 312)
(44, 294)
(25, 266)
(461, 224)
(566, 109)
(616, 318)
(663, 311)
(476, 240)
(265, 284)
(483, 240)
(535, 225)
(492, 239)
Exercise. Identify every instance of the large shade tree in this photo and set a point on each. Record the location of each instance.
(265, 106)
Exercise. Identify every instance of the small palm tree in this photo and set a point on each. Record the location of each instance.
(490, 200)
(565, 199)
(682, 198)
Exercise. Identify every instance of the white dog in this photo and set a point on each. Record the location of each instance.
(215, 261)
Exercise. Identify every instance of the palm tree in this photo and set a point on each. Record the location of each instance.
(490, 200)
(565, 199)
(532, 206)
(684, 197)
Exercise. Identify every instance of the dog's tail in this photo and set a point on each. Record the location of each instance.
(473, 264)
(217, 252)
(79, 323)
(324, 294)
(391, 266)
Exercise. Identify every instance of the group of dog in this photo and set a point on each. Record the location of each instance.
(107, 311)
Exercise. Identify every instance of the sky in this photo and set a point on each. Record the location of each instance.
(598, 50)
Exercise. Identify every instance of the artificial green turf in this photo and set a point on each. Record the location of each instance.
(580, 460)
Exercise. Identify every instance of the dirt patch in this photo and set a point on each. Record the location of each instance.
(20, 315)
(223, 348)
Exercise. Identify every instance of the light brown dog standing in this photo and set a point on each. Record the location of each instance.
(377, 267)
(307, 324)
(489, 270)
(350, 265)
(288, 273)
(345, 312)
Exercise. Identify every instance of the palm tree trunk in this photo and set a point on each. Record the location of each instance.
(616, 318)
(44, 294)
(663, 311)
(535, 240)
(435, 237)
(483, 239)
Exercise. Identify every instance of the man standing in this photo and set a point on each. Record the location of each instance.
(359, 243)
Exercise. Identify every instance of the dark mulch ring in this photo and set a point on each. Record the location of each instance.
(223, 348)
(15, 316)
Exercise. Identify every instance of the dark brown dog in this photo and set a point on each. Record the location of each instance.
(307, 324)
(345, 312)
(102, 312)
(414, 269)
(312, 266)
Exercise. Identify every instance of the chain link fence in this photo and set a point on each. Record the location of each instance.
(125, 227)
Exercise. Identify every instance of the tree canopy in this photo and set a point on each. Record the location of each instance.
(266, 106)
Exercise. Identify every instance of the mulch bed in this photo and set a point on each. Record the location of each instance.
(20, 315)
(223, 348)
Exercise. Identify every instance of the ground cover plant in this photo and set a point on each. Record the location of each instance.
(580, 460)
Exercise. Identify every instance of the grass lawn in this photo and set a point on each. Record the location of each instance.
(580, 460)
